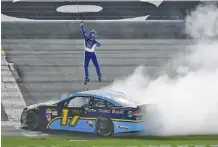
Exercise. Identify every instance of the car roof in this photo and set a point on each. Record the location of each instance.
(115, 97)
(104, 93)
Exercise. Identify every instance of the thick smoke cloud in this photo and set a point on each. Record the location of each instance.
(187, 103)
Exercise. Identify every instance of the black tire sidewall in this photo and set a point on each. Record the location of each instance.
(36, 123)
(110, 124)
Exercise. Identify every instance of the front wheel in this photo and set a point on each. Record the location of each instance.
(33, 121)
(104, 127)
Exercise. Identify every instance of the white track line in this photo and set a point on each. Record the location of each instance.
(12, 98)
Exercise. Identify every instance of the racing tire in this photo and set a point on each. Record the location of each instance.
(33, 120)
(23, 121)
(104, 127)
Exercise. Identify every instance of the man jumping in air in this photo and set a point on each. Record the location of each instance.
(90, 44)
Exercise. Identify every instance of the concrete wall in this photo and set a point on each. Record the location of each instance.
(50, 68)
(105, 30)
(110, 9)
(49, 55)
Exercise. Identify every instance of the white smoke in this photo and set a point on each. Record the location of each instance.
(187, 104)
(203, 22)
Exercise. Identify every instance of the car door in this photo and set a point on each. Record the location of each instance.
(73, 113)
(98, 108)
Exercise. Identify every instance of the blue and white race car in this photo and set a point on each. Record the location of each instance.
(101, 112)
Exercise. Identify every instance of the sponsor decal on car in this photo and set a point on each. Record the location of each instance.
(54, 112)
(118, 111)
(90, 123)
(104, 111)
(130, 113)
(123, 128)
(48, 110)
(91, 110)
(48, 117)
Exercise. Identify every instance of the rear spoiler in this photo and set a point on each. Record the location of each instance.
(146, 107)
(140, 110)
(142, 106)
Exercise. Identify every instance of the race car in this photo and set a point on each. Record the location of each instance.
(104, 113)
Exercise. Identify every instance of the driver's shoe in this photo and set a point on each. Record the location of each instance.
(86, 81)
(99, 79)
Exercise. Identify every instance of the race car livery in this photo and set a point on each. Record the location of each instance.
(101, 112)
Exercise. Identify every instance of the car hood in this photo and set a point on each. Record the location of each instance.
(42, 104)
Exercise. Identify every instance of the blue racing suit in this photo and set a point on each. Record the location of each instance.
(90, 44)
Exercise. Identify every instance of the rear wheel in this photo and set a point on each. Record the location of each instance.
(104, 127)
(33, 121)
